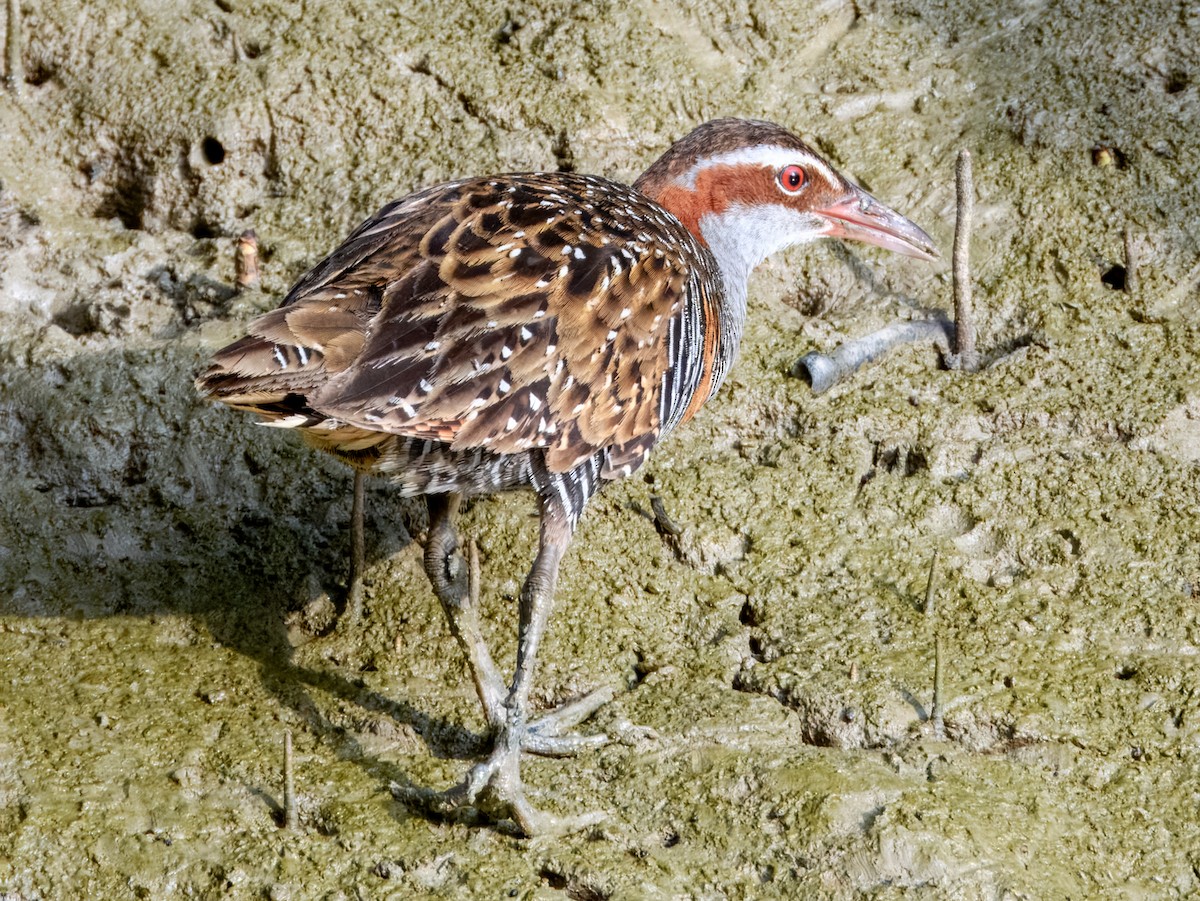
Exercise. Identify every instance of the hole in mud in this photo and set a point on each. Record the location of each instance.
(1126, 673)
(213, 150)
(757, 650)
(1176, 81)
(202, 230)
(1106, 156)
(126, 199)
(904, 460)
(575, 889)
(1114, 277)
(77, 320)
(39, 73)
(746, 616)
(553, 879)
(504, 34)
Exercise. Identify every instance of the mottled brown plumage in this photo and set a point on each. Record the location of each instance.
(542, 331)
(506, 315)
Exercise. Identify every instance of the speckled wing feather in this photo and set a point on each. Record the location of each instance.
(508, 314)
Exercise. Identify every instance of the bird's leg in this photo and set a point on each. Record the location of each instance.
(497, 781)
(456, 584)
(354, 597)
(544, 735)
(457, 587)
(494, 786)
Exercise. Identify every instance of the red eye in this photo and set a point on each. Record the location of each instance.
(791, 179)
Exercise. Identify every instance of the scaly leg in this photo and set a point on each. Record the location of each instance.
(354, 597)
(497, 781)
(495, 786)
(456, 584)
(458, 590)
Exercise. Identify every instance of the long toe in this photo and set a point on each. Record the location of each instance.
(503, 797)
(573, 713)
(545, 735)
(534, 822)
(452, 805)
(493, 792)
(500, 800)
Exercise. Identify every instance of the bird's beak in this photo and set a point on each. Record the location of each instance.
(857, 216)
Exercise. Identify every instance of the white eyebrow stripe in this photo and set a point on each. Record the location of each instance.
(769, 155)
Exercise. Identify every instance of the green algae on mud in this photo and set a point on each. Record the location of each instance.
(166, 568)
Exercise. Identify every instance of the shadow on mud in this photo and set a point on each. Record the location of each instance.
(128, 496)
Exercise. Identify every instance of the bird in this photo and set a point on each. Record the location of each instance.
(540, 331)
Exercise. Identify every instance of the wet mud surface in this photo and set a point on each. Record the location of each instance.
(170, 572)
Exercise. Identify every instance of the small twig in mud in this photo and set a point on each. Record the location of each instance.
(662, 522)
(239, 53)
(670, 531)
(14, 69)
(291, 817)
(354, 597)
(1131, 262)
(939, 725)
(823, 371)
(965, 356)
(931, 586)
(469, 634)
(245, 261)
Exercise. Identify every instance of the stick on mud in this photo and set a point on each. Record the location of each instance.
(931, 586)
(939, 724)
(245, 261)
(823, 371)
(935, 717)
(1131, 263)
(14, 69)
(291, 817)
(965, 356)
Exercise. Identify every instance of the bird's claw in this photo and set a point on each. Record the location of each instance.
(544, 736)
(492, 792)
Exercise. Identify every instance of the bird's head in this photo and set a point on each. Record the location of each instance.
(748, 188)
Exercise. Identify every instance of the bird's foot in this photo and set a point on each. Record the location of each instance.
(492, 792)
(545, 735)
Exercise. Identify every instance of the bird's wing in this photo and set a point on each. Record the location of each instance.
(506, 314)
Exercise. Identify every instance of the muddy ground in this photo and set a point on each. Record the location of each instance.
(169, 571)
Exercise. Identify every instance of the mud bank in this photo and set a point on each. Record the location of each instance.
(169, 572)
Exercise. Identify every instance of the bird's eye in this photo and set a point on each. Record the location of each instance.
(791, 179)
